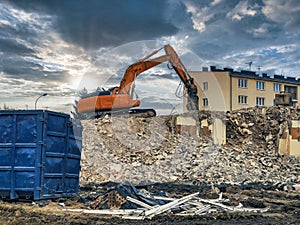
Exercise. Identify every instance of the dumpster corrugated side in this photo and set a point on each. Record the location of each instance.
(40, 154)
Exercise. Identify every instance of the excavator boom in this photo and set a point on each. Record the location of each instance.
(136, 69)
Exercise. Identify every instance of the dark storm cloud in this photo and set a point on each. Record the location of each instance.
(18, 37)
(15, 26)
(283, 12)
(94, 23)
(221, 28)
(16, 67)
(211, 32)
(11, 46)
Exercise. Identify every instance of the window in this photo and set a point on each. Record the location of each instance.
(242, 83)
(242, 99)
(291, 89)
(260, 85)
(205, 102)
(205, 86)
(277, 87)
(260, 101)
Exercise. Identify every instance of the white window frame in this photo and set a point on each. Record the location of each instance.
(205, 102)
(205, 86)
(243, 99)
(260, 85)
(277, 87)
(242, 83)
(260, 101)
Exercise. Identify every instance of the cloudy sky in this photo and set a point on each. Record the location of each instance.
(59, 47)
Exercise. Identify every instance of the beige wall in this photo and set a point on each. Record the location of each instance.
(218, 94)
(289, 144)
(294, 143)
(294, 147)
(252, 93)
(219, 132)
(268, 93)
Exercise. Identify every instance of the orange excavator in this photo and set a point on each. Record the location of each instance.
(121, 98)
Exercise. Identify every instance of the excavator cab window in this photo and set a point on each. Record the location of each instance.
(111, 90)
(103, 93)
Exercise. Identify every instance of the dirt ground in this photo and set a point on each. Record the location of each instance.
(284, 207)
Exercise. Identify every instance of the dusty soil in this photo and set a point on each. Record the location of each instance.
(284, 206)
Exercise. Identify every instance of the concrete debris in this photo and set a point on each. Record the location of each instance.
(147, 150)
(258, 126)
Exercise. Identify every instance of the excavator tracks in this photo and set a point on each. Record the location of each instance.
(141, 113)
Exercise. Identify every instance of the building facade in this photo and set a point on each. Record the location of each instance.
(227, 90)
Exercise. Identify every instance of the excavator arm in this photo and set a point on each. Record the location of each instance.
(136, 69)
(142, 65)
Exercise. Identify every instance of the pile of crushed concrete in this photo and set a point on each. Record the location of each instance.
(261, 127)
(146, 150)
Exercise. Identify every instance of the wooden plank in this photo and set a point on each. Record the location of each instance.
(195, 203)
(108, 211)
(233, 208)
(129, 217)
(139, 202)
(73, 210)
(230, 208)
(164, 198)
(202, 209)
(162, 208)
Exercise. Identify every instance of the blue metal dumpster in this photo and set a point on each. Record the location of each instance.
(40, 154)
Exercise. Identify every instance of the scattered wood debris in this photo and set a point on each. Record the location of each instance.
(143, 207)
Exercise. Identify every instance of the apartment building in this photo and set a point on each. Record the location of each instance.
(227, 90)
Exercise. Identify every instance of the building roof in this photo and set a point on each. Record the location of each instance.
(254, 75)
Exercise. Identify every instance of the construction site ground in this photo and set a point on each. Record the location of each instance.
(149, 154)
(284, 207)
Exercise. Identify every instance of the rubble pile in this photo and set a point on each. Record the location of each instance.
(146, 150)
(259, 126)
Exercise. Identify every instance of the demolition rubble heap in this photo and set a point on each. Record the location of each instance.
(146, 150)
